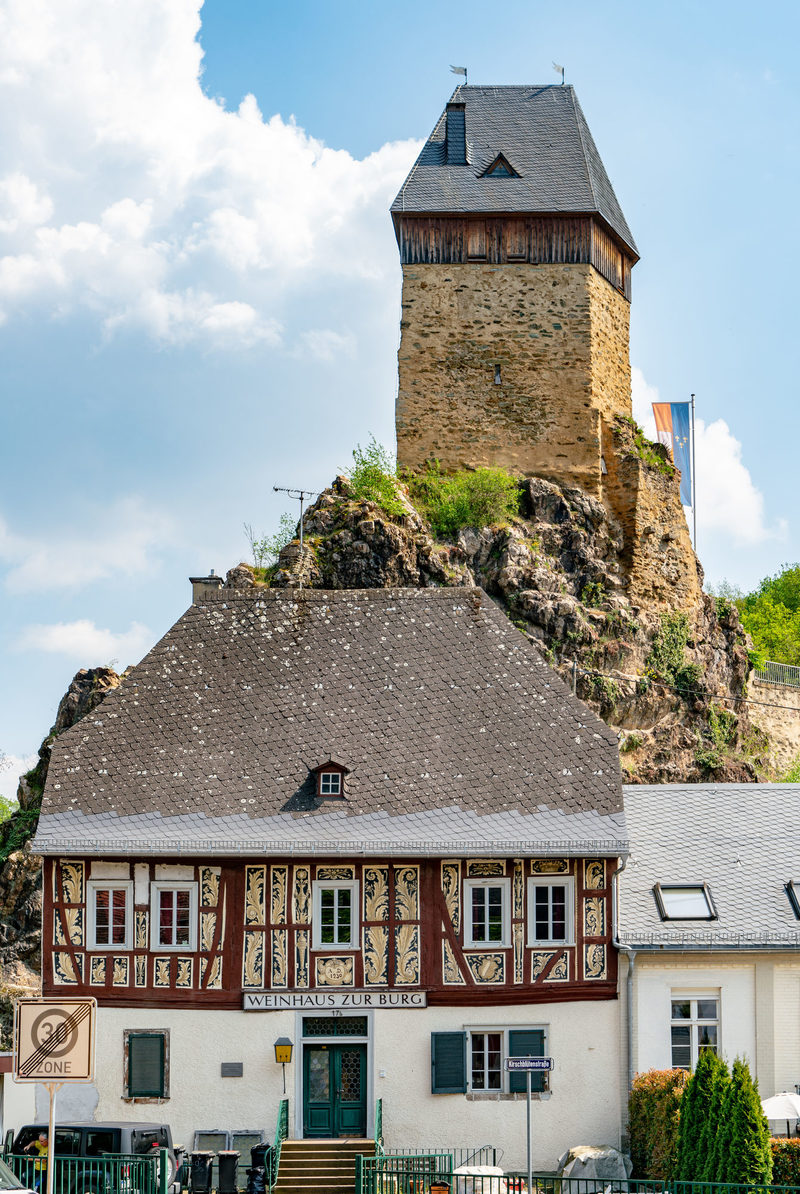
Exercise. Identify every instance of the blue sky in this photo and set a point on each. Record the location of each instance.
(199, 286)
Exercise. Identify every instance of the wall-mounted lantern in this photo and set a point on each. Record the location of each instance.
(283, 1055)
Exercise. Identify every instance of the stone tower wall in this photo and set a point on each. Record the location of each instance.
(560, 336)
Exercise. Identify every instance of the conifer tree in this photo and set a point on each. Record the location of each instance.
(694, 1116)
(749, 1155)
(710, 1129)
(717, 1162)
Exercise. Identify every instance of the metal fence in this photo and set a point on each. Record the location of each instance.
(281, 1132)
(422, 1173)
(484, 1154)
(784, 675)
(118, 1174)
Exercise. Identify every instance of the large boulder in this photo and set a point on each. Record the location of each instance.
(600, 1163)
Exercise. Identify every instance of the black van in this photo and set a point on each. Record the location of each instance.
(97, 1140)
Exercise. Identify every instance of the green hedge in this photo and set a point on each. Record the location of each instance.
(653, 1113)
(785, 1162)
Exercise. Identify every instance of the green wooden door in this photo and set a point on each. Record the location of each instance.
(334, 1090)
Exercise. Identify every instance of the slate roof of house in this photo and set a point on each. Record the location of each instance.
(741, 839)
(543, 134)
(456, 732)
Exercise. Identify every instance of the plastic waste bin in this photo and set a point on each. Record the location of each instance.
(201, 1172)
(228, 1171)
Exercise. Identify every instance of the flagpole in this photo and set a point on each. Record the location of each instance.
(694, 483)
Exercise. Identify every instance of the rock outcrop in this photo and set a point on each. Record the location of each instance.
(21, 871)
(669, 682)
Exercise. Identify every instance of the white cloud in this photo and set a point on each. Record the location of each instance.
(84, 641)
(326, 345)
(125, 540)
(11, 768)
(728, 501)
(132, 194)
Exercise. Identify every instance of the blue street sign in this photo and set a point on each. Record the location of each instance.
(529, 1063)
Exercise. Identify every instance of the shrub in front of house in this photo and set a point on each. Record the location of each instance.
(653, 1118)
(785, 1162)
(699, 1094)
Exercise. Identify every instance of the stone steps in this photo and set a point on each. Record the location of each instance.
(320, 1166)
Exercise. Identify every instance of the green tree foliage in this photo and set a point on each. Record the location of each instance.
(748, 1159)
(267, 549)
(450, 502)
(770, 614)
(721, 1080)
(653, 1116)
(694, 1116)
(373, 478)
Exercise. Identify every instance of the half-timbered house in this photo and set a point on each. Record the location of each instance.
(373, 822)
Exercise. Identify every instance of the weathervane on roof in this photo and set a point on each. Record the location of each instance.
(460, 70)
(299, 495)
(559, 71)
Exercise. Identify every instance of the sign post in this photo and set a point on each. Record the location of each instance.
(529, 1065)
(54, 1044)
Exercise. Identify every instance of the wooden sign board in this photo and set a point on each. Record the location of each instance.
(54, 1040)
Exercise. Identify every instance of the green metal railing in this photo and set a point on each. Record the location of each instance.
(484, 1154)
(117, 1174)
(281, 1132)
(379, 1127)
(547, 1184)
(402, 1173)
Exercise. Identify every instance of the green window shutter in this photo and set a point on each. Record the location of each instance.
(448, 1062)
(146, 1065)
(525, 1042)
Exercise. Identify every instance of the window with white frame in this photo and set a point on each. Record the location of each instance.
(694, 1027)
(173, 916)
(335, 919)
(330, 783)
(551, 911)
(487, 1049)
(110, 914)
(486, 913)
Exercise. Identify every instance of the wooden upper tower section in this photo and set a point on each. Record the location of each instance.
(516, 286)
(524, 160)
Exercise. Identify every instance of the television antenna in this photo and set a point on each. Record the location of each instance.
(299, 495)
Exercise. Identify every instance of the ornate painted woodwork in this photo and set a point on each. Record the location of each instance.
(255, 932)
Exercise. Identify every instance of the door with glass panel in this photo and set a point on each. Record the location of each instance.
(334, 1090)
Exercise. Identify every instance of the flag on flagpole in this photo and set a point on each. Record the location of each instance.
(673, 430)
(559, 70)
(459, 70)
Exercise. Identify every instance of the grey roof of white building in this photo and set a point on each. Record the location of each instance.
(457, 735)
(743, 840)
(542, 132)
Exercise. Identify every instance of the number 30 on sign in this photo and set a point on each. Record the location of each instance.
(54, 1040)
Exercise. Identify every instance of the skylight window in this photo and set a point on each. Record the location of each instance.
(684, 901)
(793, 892)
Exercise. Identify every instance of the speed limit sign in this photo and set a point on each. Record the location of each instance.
(54, 1040)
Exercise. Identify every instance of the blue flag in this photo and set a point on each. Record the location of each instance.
(673, 429)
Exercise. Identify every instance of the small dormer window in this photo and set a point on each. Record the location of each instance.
(500, 168)
(684, 901)
(329, 777)
(330, 783)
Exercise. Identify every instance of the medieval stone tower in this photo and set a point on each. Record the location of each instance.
(514, 346)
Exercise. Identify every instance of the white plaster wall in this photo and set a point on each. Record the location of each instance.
(786, 1021)
(656, 979)
(17, 1104)
(583, 1109)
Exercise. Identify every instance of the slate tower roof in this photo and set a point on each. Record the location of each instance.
(542, 134)
(452, 728)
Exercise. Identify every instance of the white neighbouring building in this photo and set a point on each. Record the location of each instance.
(709, 929)
(378, 812)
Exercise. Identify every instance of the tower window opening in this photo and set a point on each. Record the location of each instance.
(498, 376)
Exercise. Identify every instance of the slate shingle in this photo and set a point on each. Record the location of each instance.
(431, 697)
(543, 133)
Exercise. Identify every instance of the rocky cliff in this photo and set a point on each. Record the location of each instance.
(666, 680)
(21, 871)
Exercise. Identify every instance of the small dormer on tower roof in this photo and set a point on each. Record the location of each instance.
(542, 131)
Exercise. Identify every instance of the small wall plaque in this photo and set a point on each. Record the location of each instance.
(231, 1069)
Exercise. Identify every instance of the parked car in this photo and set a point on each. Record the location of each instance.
(9, 1181)
(94, 1142)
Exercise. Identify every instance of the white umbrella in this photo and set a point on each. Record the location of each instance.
(782, 1106)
